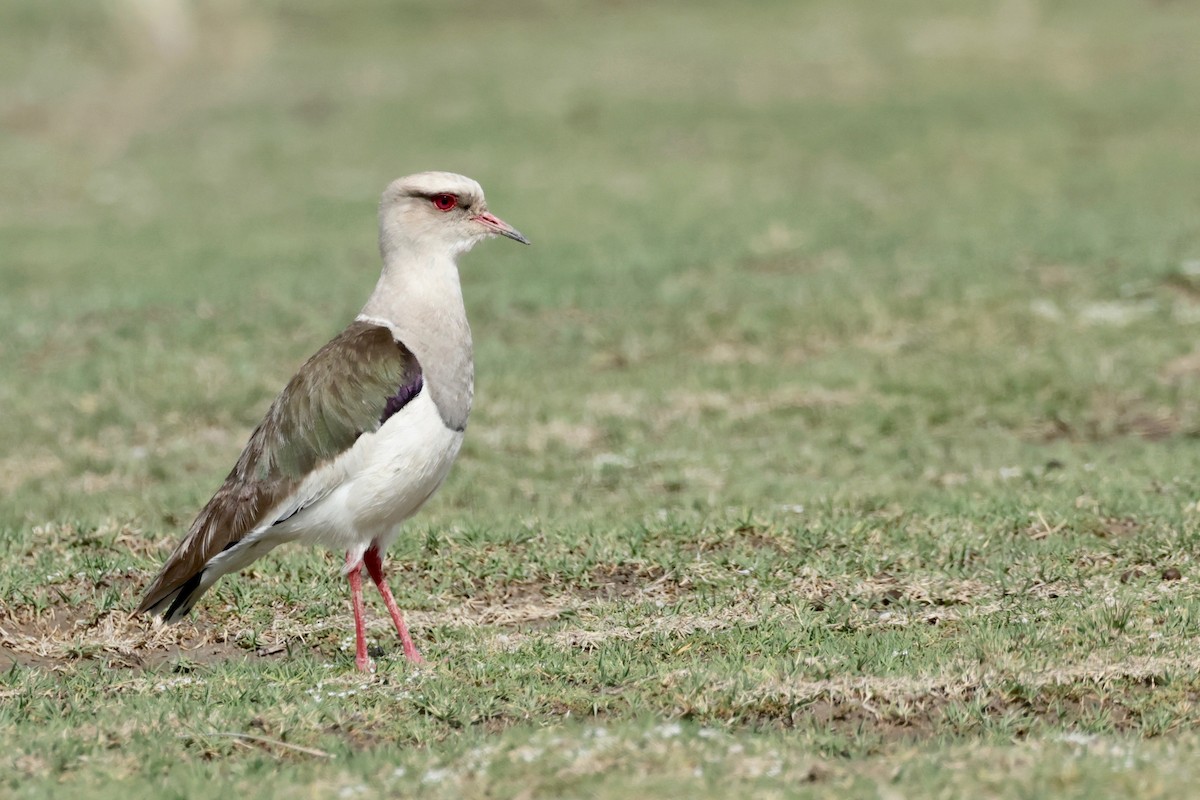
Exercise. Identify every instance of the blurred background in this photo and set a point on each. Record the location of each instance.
(784, 252)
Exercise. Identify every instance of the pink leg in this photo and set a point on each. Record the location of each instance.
(374, 564)
(361, 659)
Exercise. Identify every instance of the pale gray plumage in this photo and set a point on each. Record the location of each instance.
(426, 308)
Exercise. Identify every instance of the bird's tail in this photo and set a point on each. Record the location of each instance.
(174, 604)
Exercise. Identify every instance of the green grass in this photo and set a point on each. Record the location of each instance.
(835, 438)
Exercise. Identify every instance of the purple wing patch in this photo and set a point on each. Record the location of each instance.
(401, 398)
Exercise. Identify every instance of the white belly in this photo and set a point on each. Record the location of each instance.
(386, 477)
(407, 460)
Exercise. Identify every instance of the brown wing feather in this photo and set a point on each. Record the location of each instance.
(339, 394)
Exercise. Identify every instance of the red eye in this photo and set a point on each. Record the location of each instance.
(444, 202)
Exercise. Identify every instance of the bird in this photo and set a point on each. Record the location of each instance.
(368, 428)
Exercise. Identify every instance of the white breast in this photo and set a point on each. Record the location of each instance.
(406, 461)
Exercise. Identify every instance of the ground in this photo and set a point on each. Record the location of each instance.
(836, 436)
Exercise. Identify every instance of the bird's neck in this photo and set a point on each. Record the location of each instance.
(420, 298)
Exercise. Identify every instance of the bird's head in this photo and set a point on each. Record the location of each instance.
(438, 211)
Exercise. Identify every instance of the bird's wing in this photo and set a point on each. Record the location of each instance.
(348, 388)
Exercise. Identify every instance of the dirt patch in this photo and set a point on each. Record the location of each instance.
(615, 581)
(540, 605)
(1114, 417)
(1116, 527)
(624, 580)
(18, 470)
(915, 708)
(57, 631)
(692, 407)
(758, 537)
(750, 535)
(1182, 369)
(913, 719)
(524, 607)
(574, 436)
(884, 599)
(62, 634)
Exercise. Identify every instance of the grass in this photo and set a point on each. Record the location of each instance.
(836, 437)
